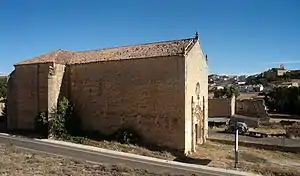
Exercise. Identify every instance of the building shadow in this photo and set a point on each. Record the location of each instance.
(190, 160)
(3, 124)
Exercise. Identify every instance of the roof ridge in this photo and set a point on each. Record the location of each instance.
(142, 50)
(124, 46)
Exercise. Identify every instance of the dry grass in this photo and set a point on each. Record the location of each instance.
(134, 149)
(266, 162)
(19, 162)
(221, 155)
(255, 160)
(273, 128)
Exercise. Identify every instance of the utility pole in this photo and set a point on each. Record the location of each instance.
(236, 147)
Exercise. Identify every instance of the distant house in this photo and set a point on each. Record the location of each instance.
(258, 88)
(273, 73)
(241, 83)
(289, 84)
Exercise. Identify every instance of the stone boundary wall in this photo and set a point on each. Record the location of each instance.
(252, 108)
(221, 107)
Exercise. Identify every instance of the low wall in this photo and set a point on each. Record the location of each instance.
(221, 107)
(252, 108)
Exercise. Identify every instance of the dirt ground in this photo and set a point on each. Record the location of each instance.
(254, 160)
(266, 162)
(19, 162)
(214, 154)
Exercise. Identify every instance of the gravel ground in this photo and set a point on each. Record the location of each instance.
(20, 162)
(214, 154)
(16, 161)
(266, 162)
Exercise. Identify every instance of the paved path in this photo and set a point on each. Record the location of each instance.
(98, 155)
(285, 142)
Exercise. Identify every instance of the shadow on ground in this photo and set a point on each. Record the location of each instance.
(190, 160)
(3, 124)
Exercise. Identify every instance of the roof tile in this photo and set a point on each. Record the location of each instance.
(166, 48)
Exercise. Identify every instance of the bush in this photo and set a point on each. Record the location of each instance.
(60, 123)
(3, 87)
(4, 110)
(127, 136)
(41, 124)
(72, 121)
(226, 92)
(284, 100)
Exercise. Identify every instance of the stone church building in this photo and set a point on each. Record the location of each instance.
(159, 89)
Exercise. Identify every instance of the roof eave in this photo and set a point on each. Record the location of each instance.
(136, 58)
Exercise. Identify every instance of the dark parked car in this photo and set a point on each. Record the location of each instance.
(242, 127)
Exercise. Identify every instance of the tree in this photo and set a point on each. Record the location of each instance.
(226, 92)
(3, 88)
(284, 100)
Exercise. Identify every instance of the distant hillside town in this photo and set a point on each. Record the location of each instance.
(263, 82)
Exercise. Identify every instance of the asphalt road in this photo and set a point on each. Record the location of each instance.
(215, 134)
(153, 165)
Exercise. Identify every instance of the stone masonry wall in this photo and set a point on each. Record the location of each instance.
(12, 106)
(55, 82)
(196, 96)
(252, 108)
(29, 93)
(221, 107)
(144, 94)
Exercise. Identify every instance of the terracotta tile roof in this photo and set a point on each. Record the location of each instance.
(166, 48)
(58, 56)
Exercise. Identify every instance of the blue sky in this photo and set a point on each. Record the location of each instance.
(238, 36)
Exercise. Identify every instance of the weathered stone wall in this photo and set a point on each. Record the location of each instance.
(28, 95)
(55, 82)
(12, 106)
(221, 107)
(196, 99)
(252, 108)
(144, 94)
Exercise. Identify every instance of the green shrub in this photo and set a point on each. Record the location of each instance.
(4, 111)
(72, 121)
(78, 139)
(61, 121)
(56, 121)
(3, 87)
(127, 136)
(41, 124)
